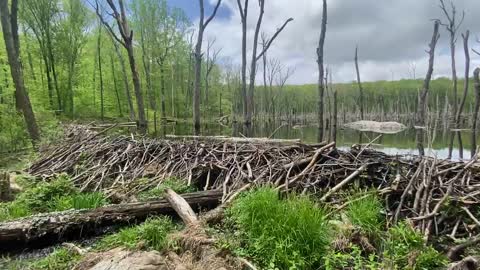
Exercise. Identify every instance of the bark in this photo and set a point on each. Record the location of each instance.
(131, 109)
(321, 71)
(115, 86)
(102, 103)
(475, 114)
(335, 116)
(45, 229)
(21, 95)
(243, 16)
(420, 119)
(458, 117)
(359, 82)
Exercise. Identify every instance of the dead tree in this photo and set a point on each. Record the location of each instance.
(12, 45)
(475, 114)
(458, 117)
(126, 40)
(211, 60)
(321, 71)
(359, 82)
(421, 116)
(249, 106)
(452, 27)
(202, 25)
(273, 68)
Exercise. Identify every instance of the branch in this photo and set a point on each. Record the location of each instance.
(264, 50)
(107, 26)
(240, 8)
(213, 14)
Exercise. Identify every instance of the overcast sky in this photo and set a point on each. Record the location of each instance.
(392, 35)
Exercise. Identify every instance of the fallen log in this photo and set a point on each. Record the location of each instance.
(45, 229)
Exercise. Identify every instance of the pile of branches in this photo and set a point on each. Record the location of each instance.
(439, 197)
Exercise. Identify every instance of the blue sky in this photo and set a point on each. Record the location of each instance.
(191, 8)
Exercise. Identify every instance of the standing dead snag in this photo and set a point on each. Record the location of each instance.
(465, 89)
(452, 27)
(202, 25)
(321, 71)
(475, 114)
(359, 82)
(248, 102)
(126, 39)
(421, 115)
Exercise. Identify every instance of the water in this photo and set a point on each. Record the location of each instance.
(400, 143)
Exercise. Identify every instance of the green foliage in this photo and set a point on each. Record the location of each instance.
(281, 234)
(13, 210)
(78, 201)
(365, 212)
(60, 259)
(404, 245)
(37, 198)
(351, 260)
(178, 185)
(153, 233)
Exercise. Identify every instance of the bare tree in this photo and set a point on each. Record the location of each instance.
(421, 116)
(476, 109)
(126, 40)
(12, 45)
(452, 27)
(458, 117)
(202, 25)
(359, 82)
(211, 60)
(321, 71)
(249, 96)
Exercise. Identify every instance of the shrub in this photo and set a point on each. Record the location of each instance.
(153, 233)
(79, 201)
(405, 249)
(283, 234)
(365, 213)
(177, 185)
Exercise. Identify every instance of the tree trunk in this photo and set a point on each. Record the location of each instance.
(455, 94)
(244, 14)
(359, 82)
(335, 117)
(131, 109)
(115, 86)
(142, 123)
(49, 228)
(100, 73)
(162, 87)
(475, 113)
(421, 117)
(13, 53)
(458, 117)
(197, 80)
(321, 71)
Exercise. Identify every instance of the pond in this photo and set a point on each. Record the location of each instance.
(400, 143)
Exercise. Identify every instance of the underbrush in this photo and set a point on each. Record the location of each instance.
(297, 233)
(151, 234)
(57, 195)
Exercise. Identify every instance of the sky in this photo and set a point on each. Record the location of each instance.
(392, 36)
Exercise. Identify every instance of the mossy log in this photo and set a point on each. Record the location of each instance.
(45, 229)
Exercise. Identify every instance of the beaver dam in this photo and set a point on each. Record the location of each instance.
(438, 199)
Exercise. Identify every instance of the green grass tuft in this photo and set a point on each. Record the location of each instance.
(153, 233)
(281, 234)
(178, 185)
(60, 259)
(365, 213)
(78, 201)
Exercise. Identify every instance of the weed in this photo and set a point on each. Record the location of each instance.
(59, 259)
(351, 260)
(153, 233)
(13, 210)
(281, 234)
(78, 201)
(405, 249)
(177, 185)
(365, 213)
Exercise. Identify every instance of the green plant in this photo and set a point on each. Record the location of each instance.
(365, 212)
(283, 234)
(60, 259)
(405, 249)
(78, 201)
(354, 259)
(13, 210)
(178, 185)
(153, 233)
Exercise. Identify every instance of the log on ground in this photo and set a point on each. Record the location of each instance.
(45, 229)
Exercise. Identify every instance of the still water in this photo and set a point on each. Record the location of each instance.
(400, 143)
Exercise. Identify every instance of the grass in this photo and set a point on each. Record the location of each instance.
(60, 259)
(365, 212)
(178, 185)
(281, 234)
(152, 233)
(79, 201)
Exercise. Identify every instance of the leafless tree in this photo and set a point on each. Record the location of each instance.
(126, 40)
(202, 25)
(321, 71)
(452, 27)
(248, 107)
(476, 109)
(413, 69)
(458, 117)
(212, 56)
(359, 82)
(12, 45)
(421, 116)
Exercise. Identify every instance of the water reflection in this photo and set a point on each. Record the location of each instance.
(400, 143)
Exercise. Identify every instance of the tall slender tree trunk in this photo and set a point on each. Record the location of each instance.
(12, 45)
(51, 59)
(163, 90)
(126, 84)
(115, 86)
(421, 116)
(244, 15)
(100, 73)
(360, 88)
(458, 117)
(197, 81)
(475, 113)
(142, 123)
(321, 72)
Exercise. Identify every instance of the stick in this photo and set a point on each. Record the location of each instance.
(344, 182)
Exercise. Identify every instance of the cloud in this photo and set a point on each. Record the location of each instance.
(391, 35)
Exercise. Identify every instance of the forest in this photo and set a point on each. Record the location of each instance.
(127, 132)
